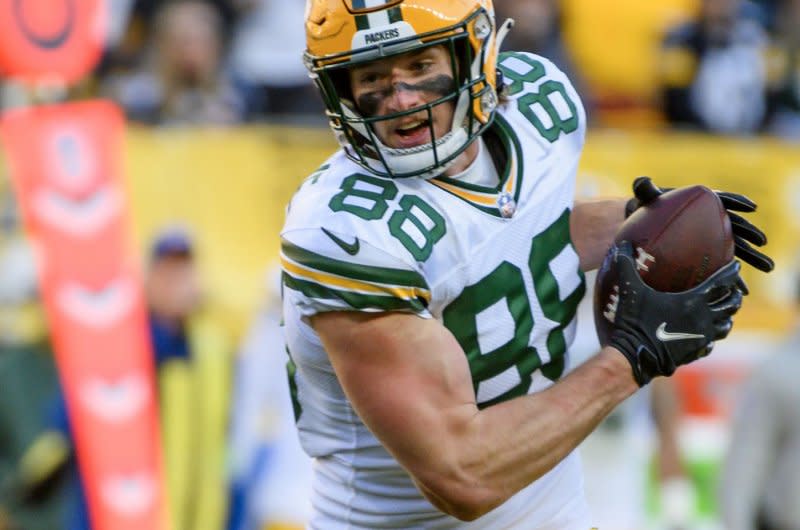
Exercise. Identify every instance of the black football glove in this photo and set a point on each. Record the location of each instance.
(744, 232)
(659, 331)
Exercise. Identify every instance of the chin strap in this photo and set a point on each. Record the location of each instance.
(502, 32)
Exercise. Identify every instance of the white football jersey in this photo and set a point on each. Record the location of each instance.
(495, 265)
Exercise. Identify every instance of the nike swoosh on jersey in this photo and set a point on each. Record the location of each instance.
(350, 248)
(665, 336)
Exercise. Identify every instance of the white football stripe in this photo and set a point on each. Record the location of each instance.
(115, 401)
(378, 18)
(129, 495)
(79, 217)
(97, 308)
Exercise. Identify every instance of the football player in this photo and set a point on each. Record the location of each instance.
(432, 268)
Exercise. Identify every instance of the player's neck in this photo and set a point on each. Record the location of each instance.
(481, 171)
(464, 160)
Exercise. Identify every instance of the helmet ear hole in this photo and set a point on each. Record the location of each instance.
(500, 83)
(462, 51)
(341, 82)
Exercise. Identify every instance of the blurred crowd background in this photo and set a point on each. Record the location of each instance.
(719, 66)
(223, 123)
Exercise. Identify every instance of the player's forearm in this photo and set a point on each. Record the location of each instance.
(748, 460)
(505, 447)
(409, 381)
(593, 224)
(665, 417)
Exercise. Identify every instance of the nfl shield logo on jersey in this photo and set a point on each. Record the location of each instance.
(506, 204)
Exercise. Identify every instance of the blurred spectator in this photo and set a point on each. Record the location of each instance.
(193, 364)
(173, 293)
(714, 74)
(193, 361)
(785, 67)
(32, 490)
(760, 481)
(267, 57)
(271, 472)
(618, 455)
(537, 29)
(119, 22)
(182, 81)
(676, 492)
(130, 29)
(767, 11)
(148, 10)
(126, 42)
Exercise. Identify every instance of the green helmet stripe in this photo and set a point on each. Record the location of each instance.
(395, 15)
(375, 18)
(362, 22)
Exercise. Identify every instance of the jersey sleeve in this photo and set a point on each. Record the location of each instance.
(328, 271)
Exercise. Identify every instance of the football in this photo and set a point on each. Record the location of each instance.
(679, 240)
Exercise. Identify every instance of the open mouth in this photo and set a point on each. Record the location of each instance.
(413, 133)
(410, 129)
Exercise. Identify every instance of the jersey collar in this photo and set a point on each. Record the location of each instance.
(486, 198)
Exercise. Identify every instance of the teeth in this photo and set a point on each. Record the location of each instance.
(412, 125)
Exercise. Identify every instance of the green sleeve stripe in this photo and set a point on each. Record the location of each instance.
(356, 271)
(354, 300)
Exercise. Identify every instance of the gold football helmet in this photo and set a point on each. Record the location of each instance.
(343, 33)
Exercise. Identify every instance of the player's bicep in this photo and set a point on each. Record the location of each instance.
(407, 378)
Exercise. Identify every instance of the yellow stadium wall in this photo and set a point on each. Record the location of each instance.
(231, 186)
(768, 171)
(615, 45)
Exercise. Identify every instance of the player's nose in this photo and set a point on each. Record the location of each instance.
(404, 97)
